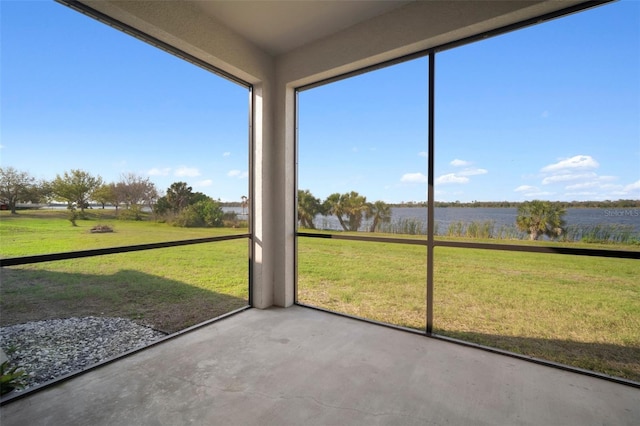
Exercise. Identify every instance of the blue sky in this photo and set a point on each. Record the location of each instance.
(77, 94)
(550, 112)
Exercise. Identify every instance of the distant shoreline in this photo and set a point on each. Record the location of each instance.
(497, 204)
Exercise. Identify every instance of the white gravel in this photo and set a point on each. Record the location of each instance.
(49, 349)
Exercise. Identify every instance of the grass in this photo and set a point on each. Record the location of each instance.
(581, 311)
(576, 310)
(40, 232)
(169, 289)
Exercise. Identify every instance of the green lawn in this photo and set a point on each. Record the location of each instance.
(576, 310)
(169, 289)
(581, 311)
(48, 231)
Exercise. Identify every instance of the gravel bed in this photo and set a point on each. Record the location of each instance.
(50, 349)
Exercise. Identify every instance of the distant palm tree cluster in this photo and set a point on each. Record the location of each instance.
(536, 218)
(350, 208)
(539, 218)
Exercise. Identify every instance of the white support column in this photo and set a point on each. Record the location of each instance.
(283, 163)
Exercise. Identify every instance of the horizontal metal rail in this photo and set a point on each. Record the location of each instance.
(622, 254)
(351, 237)
(14, 261)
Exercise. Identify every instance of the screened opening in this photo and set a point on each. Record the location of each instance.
(126, 191)
(533, 244)
(362, 174)
(541, 118)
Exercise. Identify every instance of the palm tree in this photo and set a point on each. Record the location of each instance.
(333, 206)
(380, 212)
(178, 196)
(538, 218)
(244, 204)
(308, 207)
(350, 204)
(355, 208)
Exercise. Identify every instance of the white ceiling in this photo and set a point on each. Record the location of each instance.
(280, 26)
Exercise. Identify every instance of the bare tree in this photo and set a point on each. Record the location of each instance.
(134, 190)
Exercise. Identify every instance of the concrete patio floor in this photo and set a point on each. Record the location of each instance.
(299, 366)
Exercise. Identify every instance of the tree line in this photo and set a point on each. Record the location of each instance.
(617, 204)
(183, 207)
(536, 218)
(350, 208)
(180, 205)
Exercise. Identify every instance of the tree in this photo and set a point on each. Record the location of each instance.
(538, 218)
(105, 194)
(178, 196)
(196, 197)
(76, 187)
(351, 204)
(162, 206)
(39, 192)
(244, 204)
(380, 212)
(135, 191)
(308, 207)
(15, 186)
(332, 206)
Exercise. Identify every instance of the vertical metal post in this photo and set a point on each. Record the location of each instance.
(251, 195)
(430, 195)
(296, 104)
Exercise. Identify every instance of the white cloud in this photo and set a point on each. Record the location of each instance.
(460, 163)
(525, 188)
(632, 186)
(451, 178)
(566, 177)
(586, 194)
(237, 174)
(424, 154)
(461, 176)
(226, 154)
(204, 183)
(532, 191)
(472, 172)
(539, 193)
(183, 171)
(575, 162)
(159, 172)
(414, 178)
(592, 184)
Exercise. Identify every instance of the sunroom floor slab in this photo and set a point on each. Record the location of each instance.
(300, 366)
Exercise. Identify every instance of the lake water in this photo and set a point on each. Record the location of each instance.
(501, 217)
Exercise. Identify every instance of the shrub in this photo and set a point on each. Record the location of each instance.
(132, 213)
(205, 213)
(11, 378)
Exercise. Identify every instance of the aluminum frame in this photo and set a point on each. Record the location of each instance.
(430, 242)
(49, 257)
